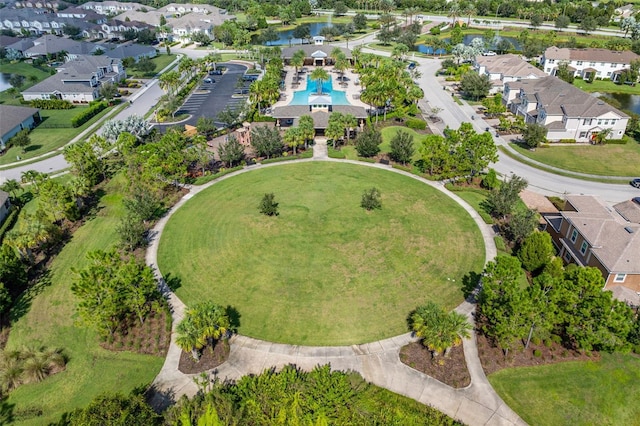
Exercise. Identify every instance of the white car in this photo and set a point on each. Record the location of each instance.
(489, 53)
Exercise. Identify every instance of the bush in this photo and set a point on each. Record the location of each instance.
(416, 124)
(371, 199)
(567, 141)
(537, 353)
(51, 104)
(490, 180)
(615, 141)
(88, 114)
(268, 206)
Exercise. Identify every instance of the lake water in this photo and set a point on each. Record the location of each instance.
(314, 28)
(4, 82)
(627, 101)
(467, 41)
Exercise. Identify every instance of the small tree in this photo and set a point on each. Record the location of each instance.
(564, 73)
(368, 142)
(534, 135)
(108, 91)
(205, 126)
(402, 149)
(371, 199)
(521, 225)
(475, 85)
(21, 140)
(536, 251)
(268, 206)
(145, 65)
(490, 180)
(503, 200)
(231, 152)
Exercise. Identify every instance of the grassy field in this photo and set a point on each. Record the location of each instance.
(48, 318)
(477, 200)
(574, 393)
(605, 86)
(387, 134)
(44, 140)
(27, 71)
(161, 61)
(324, 272)
(603, 160)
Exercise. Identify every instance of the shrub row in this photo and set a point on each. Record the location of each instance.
(9, 222)
(615, 141)
(567, 141)
(51, 104)
(416, 124)
(88, 114)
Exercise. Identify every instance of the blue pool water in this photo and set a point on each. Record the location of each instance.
(301, 97)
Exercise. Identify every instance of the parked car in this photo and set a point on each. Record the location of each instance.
(209, 80)
(636, 200)
(635, 182)
(215, 72)
(412, 65)
(489, 53)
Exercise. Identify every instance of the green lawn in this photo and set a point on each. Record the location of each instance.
(24, 69)
(51, 320)
(44, 139)
(603, 160)
(476, 199)
(161, 61)
(387, 134)
(324, 272)
(605, 86)
(574, 393)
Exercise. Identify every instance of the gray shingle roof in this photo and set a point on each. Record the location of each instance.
(11, 116)
(52, 44)
(131, 50)
(308, 49)
(509, 66)
(591, 55)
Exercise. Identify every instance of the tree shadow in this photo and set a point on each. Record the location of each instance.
(471, 286)
(23, 303)
(172, 282)
(234, 317)
(32, 148)
(160, 399)
(6, 412)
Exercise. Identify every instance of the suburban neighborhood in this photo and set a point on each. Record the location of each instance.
(330, 212)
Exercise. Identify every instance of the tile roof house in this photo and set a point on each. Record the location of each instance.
(505, 68)
(605, 63)
(78, 80)
(566, 111)
(589, 233)
(15, 118)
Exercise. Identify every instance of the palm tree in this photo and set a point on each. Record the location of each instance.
(454, 12)
(601, 136)
(439, 330)
(399, 51)
(297, 60)
(350, 122)
(335, 127)
(12, 186)
(294, 137)
(307, 127)
(342, 63)
(169, 81)
(189, 339)
(469, 10)
(336, 52)
(211, 320)
(457, 328)
(319, 75)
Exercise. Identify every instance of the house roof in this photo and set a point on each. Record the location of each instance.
(591, 55)
(6, 41)
(613, 240)
(509, 66)
(625, 295)
(297, 111)
(629, 210)
(152, 17)
(52, 44)
(131, 50)
(558, 97)
(11, 116)
(310, 49)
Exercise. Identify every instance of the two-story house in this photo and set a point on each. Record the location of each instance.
(585, 63)
(78, 80)
(566, 111)
(13, 119)
(502, 69)
(588, 233)
(114, 7)
(50, 44)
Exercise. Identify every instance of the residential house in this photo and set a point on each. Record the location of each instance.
(78, 80)
(5, 206)
(626, 11)
(566, 111)
(585, 63)
(13, 119)
(588, 233)
(502, 69)
(50, 44)
(115, 27)
(51, 5)
(33, 21)
(81, 14)
(16, 50)
(135, 51)
(114, 7)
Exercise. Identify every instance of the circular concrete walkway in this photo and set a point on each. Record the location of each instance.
(378, 362)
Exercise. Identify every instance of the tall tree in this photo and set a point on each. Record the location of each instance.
(335, 128)
(401, 145)
(231, 152)
(368, 142)
(503, 200)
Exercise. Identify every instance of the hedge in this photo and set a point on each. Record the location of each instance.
(51, 104)
(88, 114)
(416, 124)
(615, 141)
(9, 221)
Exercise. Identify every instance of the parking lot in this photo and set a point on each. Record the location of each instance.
(210, 98)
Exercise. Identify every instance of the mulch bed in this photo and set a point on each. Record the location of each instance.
(152, 337)
(451, 370)
(210, 359)
(493, 358)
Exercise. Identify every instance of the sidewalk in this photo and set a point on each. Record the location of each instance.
(378, 362)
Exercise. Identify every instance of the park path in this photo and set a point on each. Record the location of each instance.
(378, 362)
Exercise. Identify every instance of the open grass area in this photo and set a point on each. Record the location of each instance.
(27, 71)
(387, 134)
(477, 199)
(161, 61)
(46, 316)
(45, 139)
(605, 86)
(574, 393)
(603, 160)
(325, 271)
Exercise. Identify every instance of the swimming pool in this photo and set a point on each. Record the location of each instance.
(301, 97)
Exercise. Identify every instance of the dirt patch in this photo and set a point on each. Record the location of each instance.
(152, 337)
(451, 370)
(548, 352)
(210, 359)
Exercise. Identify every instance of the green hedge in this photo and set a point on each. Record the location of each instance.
(615, 141)
(416, 124)
(51, 104)
(88, 114)
(567, 141)
(9, 221)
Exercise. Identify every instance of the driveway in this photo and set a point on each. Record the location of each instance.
(209, 99)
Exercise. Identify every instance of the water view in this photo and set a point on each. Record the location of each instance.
(301, 97)
(286, 37)
(4, 82)
(467, 41)
(627, 102)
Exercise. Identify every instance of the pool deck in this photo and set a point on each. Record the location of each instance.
(352, 90)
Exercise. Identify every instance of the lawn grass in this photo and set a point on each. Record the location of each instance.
(476, 199)
(574, 393)
(51, 320)
(602, 160)
(385, 147)
(44, 139)
(605, 86)
(324, 272)
(161, 61)
(24, 69)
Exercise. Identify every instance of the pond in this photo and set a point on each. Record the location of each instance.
(627, 102)
(286, 37)
(4, 82)
(467, 41)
